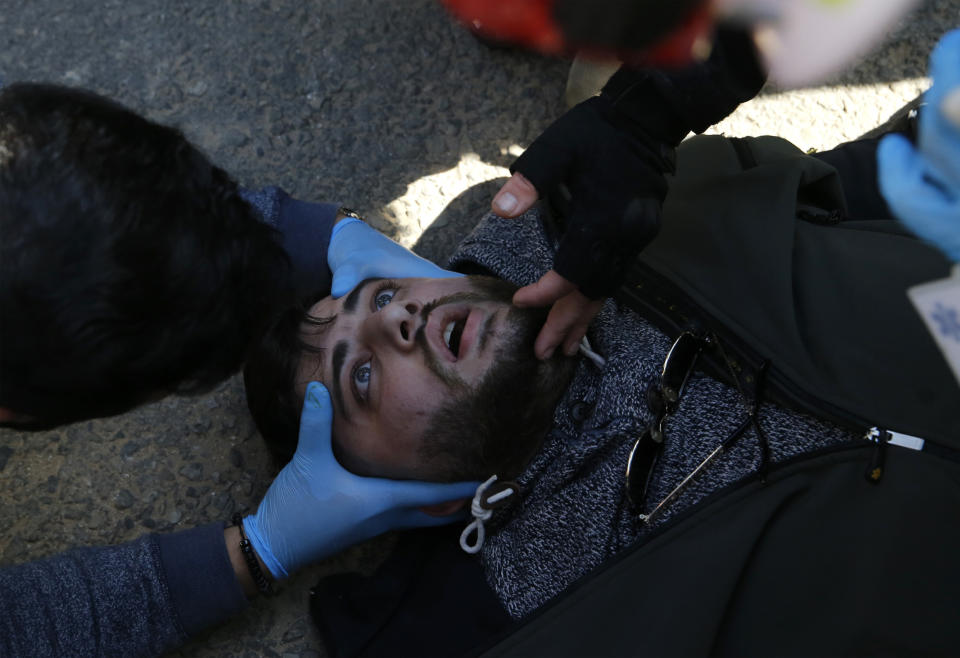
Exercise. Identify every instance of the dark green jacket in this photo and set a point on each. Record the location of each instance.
(815, 559)
(755, 246)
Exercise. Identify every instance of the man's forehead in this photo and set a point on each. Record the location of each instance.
(353, 297)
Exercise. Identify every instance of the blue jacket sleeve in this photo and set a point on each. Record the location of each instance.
(137, 599)
(305, 235)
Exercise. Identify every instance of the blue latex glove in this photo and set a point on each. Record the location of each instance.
(316, 508)
(922, 187)
(359, 252)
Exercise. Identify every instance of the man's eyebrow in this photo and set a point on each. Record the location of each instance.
(318, 325)
(339, 356)
(350, 303)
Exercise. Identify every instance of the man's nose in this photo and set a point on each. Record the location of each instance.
(397, 323)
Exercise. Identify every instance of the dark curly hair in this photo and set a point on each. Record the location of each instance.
(130, 267)
(269, 379)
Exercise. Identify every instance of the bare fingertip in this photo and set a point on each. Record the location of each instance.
(505, 204)
(520, 299)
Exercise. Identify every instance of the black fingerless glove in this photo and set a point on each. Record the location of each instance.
(608, 155)
(614, 181)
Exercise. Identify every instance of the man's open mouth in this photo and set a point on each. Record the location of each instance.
(455, 329)
(452, 334)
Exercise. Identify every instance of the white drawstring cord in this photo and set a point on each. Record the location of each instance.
(480, 515)
(587, 351)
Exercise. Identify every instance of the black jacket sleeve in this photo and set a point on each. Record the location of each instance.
(304, 229)
(663, 106)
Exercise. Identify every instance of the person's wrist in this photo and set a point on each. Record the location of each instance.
(264, 549)
(233, 539)
(632, 102)
(342, 221)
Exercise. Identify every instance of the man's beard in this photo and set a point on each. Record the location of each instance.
(519, 330)
(514, 356)
(497, 425)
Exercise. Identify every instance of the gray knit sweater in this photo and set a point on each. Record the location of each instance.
(573, 514)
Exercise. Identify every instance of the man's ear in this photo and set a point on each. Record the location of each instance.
(7, 415)
(445, 509)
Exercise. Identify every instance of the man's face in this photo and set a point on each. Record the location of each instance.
(390, 353)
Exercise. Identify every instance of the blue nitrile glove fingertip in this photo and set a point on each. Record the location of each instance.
(945, 59)
(345, 278)
(896, 160)
(457, 490)
(338, 291)
(337, 253)
(419, 519)
(417, 494)
(251, 528)
(316, 396)
(891, 145)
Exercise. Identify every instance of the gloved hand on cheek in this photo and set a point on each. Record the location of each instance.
(316, 508)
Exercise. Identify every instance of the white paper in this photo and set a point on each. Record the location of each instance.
(938, 303)
(804, 41)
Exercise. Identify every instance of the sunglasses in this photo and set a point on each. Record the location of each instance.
(663, 399)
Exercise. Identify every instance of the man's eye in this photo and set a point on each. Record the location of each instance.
(383, 297)
(361, 378)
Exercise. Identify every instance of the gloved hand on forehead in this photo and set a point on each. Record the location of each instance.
(359, 252)
(922, 185)
(316, 508)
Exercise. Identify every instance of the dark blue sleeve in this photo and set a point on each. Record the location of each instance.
(305, 234)
(200, 580)
(142, 598)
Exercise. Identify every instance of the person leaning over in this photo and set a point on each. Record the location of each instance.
(132, 268)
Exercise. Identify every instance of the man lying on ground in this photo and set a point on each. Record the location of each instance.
(413, 366)
(774, 283)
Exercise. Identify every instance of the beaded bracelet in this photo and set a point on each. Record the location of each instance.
(251, 559)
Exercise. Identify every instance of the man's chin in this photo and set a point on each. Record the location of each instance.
(522, 326)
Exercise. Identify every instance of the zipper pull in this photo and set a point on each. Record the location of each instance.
(878, 457)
